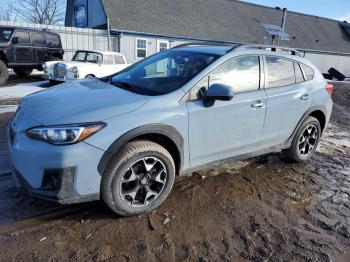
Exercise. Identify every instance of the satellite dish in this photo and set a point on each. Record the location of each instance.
(276, 31)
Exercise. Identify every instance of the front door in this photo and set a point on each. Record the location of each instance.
(23, 49)
(228, 128)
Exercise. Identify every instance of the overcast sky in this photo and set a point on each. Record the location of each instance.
(335, 9)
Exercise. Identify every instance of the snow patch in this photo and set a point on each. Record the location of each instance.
(21, 90)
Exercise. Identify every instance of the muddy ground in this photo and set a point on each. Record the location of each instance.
(262, 209)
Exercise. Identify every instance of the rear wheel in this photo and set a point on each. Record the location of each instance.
(306, 140)
(23, 71)
(4, 75)
(138, 179)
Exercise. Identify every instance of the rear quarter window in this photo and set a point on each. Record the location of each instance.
(118, 60)
(309, 72)
(280, 72)
(53, 40)
(38, 39)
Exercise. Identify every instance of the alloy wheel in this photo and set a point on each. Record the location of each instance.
(308, 140)
(143, 182)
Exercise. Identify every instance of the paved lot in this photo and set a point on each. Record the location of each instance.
(262, 209)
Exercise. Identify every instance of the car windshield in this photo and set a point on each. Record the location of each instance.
(91, 57)
(5, 34)
(162, 73)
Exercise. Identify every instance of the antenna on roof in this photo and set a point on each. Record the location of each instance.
(277, 32)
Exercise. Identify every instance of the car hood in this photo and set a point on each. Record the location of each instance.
(79, 102)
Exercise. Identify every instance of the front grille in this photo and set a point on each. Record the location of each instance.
(59, 70)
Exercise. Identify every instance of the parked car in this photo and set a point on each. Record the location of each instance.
(85, 64)
(25, 49)
(125, 138)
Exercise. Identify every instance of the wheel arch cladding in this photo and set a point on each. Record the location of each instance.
(164, 135)
(320, 116)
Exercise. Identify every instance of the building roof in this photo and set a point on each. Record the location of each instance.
(224, 20)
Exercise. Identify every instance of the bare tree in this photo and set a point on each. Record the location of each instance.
(50, 12)
(7, 12)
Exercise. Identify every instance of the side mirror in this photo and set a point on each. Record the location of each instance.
(15, 40)
(217, 92)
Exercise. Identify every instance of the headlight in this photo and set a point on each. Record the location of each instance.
(44, 66)
(63, 135)
(75, 69)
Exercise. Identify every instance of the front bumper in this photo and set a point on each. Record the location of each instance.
(63, 174)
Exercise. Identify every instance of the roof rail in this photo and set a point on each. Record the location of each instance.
(272, 48)
(204, 44)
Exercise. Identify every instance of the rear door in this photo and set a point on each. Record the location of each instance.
(228, 128)
(289, 97)
(39, 47)
(22, 47)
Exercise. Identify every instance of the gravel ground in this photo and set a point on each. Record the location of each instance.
(262, 209)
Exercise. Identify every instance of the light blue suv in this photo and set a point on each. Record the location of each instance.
(125, 138)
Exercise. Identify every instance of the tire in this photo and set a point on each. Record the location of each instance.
(4, 74)
(310, 133)
(89, 76)
(118, 179)
(23, 71)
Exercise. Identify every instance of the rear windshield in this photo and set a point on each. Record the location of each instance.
(5, 34)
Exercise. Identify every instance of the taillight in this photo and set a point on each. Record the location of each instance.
(329, 89)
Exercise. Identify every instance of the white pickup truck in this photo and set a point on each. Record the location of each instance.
(85, 64)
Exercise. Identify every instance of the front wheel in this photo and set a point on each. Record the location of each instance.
(138, 179)
(306, 140)
(4, 75)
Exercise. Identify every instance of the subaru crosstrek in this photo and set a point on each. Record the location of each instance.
(125, 138)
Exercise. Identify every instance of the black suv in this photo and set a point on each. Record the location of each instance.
(26, 49)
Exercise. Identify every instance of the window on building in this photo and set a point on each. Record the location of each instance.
(309, 72)
(38, 39)
(280, 72)
(162, 45)
(22, 38)
(141, 48)
(118, 60)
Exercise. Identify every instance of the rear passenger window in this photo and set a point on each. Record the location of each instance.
(309, 72)
(118, 59)
(38, 39)
(298, 73)
(242, 74)
(23, 38)
(280, 72)
(108, 60)
(53, 41)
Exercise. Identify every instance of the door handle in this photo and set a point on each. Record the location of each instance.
(258, 105)
(305, 97)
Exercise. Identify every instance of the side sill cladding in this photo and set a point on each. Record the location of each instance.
(160, 130)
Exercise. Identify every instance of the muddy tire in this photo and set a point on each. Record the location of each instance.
(23, 72)
(305, 141)
(4, 74)
(138, 179)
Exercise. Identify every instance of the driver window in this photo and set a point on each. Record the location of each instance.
(242, 74)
